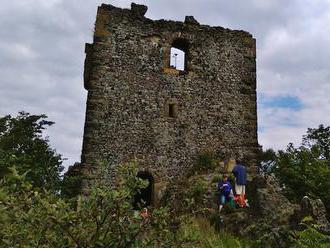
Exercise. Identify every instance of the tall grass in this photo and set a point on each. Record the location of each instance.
(200, 234)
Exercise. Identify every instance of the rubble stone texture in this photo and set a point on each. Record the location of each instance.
(140, 107)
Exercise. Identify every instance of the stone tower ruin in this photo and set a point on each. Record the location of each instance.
(139, 106)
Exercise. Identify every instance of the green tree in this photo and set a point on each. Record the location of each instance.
(266, 160)
(23, 144)
(305, 170)
(319, 139)
(71, 183)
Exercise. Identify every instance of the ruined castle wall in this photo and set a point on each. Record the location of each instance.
(130, 87)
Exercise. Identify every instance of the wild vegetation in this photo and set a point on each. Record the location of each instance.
(22, 144)
(303, 170)
(37, 208)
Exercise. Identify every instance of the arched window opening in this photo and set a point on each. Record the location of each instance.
(177, 59)
(144, 198)
(178, 56)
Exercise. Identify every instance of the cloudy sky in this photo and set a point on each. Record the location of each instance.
(42, 56)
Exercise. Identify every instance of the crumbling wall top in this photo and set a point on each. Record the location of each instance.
(138, 11)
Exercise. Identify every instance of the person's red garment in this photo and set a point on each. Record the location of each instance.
(240, 200)
(144, 213)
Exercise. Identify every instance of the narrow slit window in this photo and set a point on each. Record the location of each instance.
(171, 110)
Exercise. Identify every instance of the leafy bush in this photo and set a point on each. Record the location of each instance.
(71, 186)
(206, 161)
(216, 179)
(104, 218)
(198, 190)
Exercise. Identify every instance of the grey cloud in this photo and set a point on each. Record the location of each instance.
(42, 55)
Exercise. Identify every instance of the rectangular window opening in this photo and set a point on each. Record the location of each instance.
(171, 110)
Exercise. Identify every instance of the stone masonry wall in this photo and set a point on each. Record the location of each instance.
(130, 87)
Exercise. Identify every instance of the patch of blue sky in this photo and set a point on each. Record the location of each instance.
(287, 102)
(261, 129)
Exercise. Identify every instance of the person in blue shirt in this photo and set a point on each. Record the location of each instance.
(239, 172)
(224, 188)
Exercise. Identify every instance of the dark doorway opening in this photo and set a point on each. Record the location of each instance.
(144, 197)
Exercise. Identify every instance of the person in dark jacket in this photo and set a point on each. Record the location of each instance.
(239, 172)
(224, 188)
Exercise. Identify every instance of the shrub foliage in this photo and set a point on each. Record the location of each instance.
(104, 218)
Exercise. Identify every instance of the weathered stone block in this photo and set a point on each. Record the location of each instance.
(138, 9)
(190, 20)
